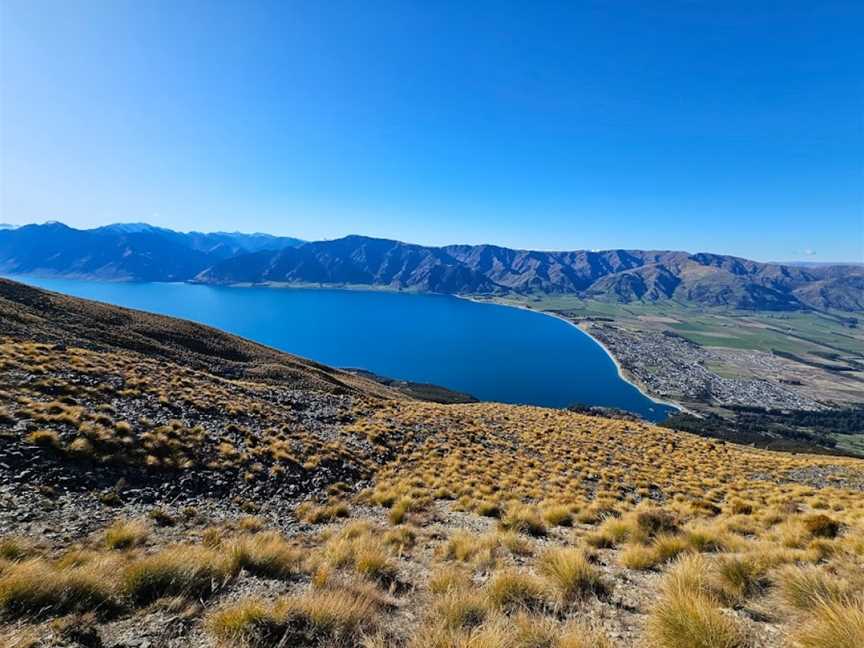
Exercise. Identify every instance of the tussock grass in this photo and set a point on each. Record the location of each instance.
(362, 548)
(821, 526)
(736, 578)
(269, 555)
(14, 548)
(401, 538)
(449, 578)
(834, 624)
(318, 617)
(315, 514)
(460, 609)
(570, 573)
(36, 587)
(524, 519)
(687, 616)
(801, 588)
(489, 509)
(372, 562)
(467, 547)
(558, 515)
(248, 623)
(45, 438)
(513, 590)
(399, 510)
(637, 557)
(578, 635)
(123, 534)
(181, 570)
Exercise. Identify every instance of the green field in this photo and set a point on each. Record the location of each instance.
(824, 335)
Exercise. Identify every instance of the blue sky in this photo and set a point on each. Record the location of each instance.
(732, 127)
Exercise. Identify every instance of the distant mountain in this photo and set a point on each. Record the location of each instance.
(126, 251)
(613, 275)
(355, 260)
(220, 244)
(137, 251)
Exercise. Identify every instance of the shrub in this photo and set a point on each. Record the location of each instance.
(571, 574)
(161, 517)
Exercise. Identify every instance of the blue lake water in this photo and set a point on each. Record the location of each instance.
(496, 353)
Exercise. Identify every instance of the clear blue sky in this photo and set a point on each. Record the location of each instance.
(725, 126)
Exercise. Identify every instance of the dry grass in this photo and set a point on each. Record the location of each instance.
(460, 500)
(318, 617)
(687, 616)
(570, 573)
(36, 588)
(123, 534)
(802, 588)
(512, 590)
(182, 570)
(269, 555)
(524, 519)
(834, 624)
(315, 514)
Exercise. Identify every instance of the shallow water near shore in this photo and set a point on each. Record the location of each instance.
(493, 352)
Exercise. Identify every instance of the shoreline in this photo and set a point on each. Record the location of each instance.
(477, 300)
(618, 366)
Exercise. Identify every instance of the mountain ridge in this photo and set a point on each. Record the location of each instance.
(137, 251)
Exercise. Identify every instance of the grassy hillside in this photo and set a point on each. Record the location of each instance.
(152, 496)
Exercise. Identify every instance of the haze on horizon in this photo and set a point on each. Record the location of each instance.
(708, 126)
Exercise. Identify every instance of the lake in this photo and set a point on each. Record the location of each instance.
(496, 353)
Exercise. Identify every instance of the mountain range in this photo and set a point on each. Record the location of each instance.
(142, 252)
